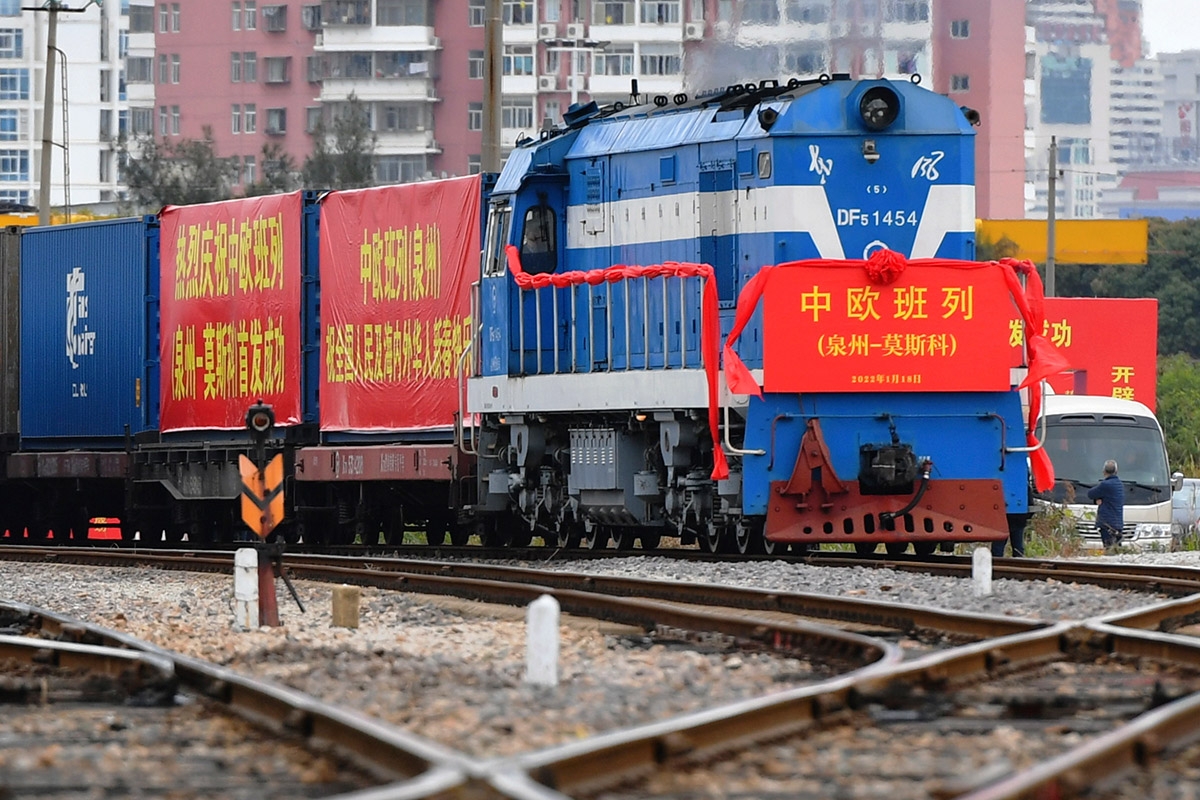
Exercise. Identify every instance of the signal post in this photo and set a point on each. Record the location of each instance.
(263, 509)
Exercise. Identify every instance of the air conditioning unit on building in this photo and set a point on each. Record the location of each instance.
(577, 83)
(837, 30)
(693, 30)
(547, 83)
(547, 31)
(575, 30)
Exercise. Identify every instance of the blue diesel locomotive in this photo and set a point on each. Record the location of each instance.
(588, 378)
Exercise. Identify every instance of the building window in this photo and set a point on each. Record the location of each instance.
(760, 12)
(310, 18)
(14, 165)
(661, 60)
(175, 68)
(123, 122)
(475, 64)
(122, 44)
(402, 12)
(476, 13)
(10, 8)
(10, 124)
(277, 121)
(474, 164)
(518, 60)
(663, 11)
(105, 85)
(399, 169)
(613, 12)
(907, 11)
(235, 67)
(141, 19)
(164, 18)
(143, 121)
(312, 119)
(250, 17)
(475, 116)
(237, 16)
(250, 118)
(275, 18)
(162, 120)
(174, 120)
(11, 43)
(517, 113)
(518, 12)
(175, 17)
(14, 84)
(250, 67)
(960, 83)
(278, 69)
(249, 170)
(164, 68)
(617, 60)
(236, 118)
(403, 118)
(106, 162)
(960, 28)
(106, 125)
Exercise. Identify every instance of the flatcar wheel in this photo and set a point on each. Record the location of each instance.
(650, 541)
(459, 536)
(896, 548)
(865, 548)
(435, 534)
(925, 549)
(596, 538)
(522, 538)
(623, 537)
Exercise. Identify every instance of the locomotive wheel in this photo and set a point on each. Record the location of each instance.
(623, 537)
(568, 534)
(650, 541)
(459, 536)
(522, 538)
(596, 538)
(896, 548)
(714, 539)
(779, 548)
(865, 548)
(925, 549)
(749, 539)
(435, 533)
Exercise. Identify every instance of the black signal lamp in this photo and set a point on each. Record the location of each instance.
(260, 421)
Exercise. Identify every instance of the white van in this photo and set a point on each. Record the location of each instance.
(1081, 433)
(1185, 506)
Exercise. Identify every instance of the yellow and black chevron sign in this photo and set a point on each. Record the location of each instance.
(262, 494)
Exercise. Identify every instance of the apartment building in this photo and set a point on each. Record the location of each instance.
(89, 102)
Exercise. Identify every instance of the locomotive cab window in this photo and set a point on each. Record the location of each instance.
(497, 236)
(539, 242)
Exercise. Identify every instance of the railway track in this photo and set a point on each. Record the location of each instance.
(1075, 703)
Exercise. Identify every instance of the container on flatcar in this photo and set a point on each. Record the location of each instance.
(88, 332)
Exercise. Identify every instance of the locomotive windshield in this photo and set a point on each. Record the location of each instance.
(539, 247)
(497, 236)
(1078, 450)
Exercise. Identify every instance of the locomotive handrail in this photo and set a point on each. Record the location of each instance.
(460, 428)
(737, 451)
(1041, 442)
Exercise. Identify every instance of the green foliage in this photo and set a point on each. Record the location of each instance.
(1051, 533)
(343, 154)
(1178, 410)
(279, 172)
(179, 172)
(987, 250)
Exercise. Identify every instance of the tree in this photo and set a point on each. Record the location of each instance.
(175, 173)
(343, 154)
(1178, 410)
(279, 172)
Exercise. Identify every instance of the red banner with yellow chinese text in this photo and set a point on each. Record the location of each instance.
(828, 328)
(1112, 344)
(230, 311)
(396, 265)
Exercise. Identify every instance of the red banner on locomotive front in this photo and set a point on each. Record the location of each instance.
(396, 268)
(934, 328)
(230, 311)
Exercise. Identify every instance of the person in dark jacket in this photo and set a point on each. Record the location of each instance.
(1109, 494)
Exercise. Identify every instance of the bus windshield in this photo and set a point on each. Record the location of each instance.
(1078, 452)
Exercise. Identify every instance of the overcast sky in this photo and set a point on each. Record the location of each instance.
(1171, 25)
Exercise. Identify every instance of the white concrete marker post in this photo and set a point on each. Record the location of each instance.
(981, 571)
(245, 587)
(541, 642)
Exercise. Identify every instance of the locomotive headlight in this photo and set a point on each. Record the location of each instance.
(879, 107)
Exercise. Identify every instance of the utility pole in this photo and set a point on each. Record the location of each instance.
(53, 7)
(1051, 209)
(493, 69)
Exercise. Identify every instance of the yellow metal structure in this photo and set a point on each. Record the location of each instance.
(1077, 241)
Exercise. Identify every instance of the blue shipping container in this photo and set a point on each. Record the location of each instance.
(89, 333)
